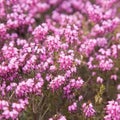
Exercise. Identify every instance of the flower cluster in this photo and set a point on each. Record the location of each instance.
(56, 55)
(112, 110)
(88, 109)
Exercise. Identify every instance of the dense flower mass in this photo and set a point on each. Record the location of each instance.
(113, 110)
(59, 59)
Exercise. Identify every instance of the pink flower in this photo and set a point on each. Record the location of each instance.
(57, 82)
(112, 110)
(72, 107)
(88, 110)
(99, 80)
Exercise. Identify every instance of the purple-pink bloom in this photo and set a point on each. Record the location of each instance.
(112, 110)
(88, 110)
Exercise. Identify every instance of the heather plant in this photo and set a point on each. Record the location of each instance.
(59, 60)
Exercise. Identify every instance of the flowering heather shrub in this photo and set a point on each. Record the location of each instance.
(59, 59)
